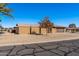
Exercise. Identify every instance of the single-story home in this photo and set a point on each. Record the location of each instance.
(72, 29)
(35, 29)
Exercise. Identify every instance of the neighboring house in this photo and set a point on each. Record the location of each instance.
(10, 30)
(72, 29)
(1, 28)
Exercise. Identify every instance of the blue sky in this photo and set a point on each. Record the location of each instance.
(32, 13)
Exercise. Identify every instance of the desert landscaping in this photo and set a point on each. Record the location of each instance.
(19, 39)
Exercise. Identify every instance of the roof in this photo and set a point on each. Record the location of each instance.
(22, 24)
(72, 28)
(34, 25)
(37, 25)
(59, 26)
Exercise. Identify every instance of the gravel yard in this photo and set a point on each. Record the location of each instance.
(16, 39)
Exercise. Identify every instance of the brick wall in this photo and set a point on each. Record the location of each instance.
(54, 30)
(25, 29)
(35, 30)
(43, 30)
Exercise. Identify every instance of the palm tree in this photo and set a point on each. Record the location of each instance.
(4, 10)
(46, 23)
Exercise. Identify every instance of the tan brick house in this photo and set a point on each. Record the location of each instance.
(35, 29)
(73, 30)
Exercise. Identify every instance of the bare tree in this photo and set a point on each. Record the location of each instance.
(46, 23)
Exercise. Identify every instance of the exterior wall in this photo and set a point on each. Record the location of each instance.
(27, 29)
(60, 30)
(23, 30)
(16, 30)
(54, 30)
(43, 30)
(67, 30)
(35, 30)
(77, 30)
(71, 30)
